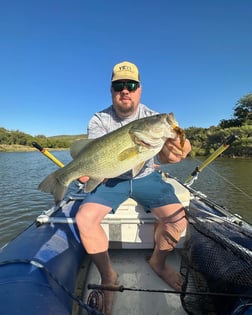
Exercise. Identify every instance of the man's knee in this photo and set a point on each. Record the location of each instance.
(90, 215)
(83, 220)
(80, 218)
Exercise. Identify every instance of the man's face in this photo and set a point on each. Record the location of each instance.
(126, 96)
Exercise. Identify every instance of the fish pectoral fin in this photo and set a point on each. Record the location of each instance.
(137, 169)
(128, 153)
(92, 184)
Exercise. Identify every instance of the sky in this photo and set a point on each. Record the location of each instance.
(56, 59)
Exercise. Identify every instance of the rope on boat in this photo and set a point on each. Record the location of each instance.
(73, 296)
(121, 288)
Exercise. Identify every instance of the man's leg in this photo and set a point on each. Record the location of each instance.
(172, 223)
(95, 241)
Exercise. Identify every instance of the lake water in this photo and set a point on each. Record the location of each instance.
(226, 181)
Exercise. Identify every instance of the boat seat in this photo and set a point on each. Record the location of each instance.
(131, 227)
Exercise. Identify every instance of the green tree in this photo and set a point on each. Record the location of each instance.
(242, 113)
(243, 110)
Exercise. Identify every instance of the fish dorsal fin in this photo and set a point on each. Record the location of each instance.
(77, 146)
(92, 184)
(137, 169)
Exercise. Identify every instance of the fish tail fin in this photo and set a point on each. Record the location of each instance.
(51, 185)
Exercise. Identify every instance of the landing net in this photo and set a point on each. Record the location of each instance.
(217, 258)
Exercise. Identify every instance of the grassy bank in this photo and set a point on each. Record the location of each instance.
(21, 148)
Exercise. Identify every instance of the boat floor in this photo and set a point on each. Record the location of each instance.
(135, 272)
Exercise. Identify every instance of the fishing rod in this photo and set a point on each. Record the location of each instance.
(47, 154)
(189, 181)
(50, 156)
(121, 288)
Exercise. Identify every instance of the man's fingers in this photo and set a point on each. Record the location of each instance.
(84, 179)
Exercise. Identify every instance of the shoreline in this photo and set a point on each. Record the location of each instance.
(24, 148)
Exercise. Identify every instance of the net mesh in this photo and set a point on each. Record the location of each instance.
(217, 258)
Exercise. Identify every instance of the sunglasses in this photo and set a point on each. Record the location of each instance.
(131, 86)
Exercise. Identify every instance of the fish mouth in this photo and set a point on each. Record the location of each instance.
(142, 143)
(147, 144)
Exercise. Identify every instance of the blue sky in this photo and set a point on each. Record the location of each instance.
(56, 57)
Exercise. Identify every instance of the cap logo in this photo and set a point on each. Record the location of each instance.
(127, 68)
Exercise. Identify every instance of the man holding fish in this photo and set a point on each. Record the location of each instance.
(144, 185)
(117, 164)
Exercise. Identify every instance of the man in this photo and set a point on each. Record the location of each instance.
(126, 107)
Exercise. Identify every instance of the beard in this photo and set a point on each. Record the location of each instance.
(125, 110)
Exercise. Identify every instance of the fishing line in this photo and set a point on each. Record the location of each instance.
(227, 181)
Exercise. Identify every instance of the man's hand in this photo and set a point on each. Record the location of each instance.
(172, 151)
(84, 179)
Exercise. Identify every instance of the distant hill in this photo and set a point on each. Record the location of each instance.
(68, 137)
(15, 140)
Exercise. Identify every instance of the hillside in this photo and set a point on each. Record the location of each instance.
(16, 141)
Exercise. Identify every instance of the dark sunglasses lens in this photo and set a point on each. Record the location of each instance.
(130, 86)
(118, 86)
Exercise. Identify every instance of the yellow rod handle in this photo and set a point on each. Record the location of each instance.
(48, 154)
(212, 157)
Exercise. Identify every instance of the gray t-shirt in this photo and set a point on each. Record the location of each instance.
(107, 120)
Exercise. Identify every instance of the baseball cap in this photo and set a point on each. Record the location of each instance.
(125, 70)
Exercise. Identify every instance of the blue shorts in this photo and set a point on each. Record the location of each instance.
(150, 191)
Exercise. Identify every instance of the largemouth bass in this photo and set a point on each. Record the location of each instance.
(115, 153)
